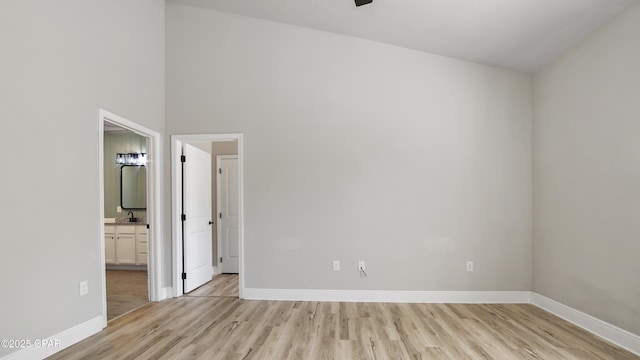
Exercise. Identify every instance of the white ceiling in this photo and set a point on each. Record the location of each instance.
(521, 35)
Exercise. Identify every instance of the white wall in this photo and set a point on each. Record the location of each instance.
(587, 175)
(61, 61)
(356, 150)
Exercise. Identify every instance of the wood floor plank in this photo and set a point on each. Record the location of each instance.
(221, 285)
(220, 327)
(126, 291)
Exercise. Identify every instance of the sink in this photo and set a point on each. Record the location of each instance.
(127, 220)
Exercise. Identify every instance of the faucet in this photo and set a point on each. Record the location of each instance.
(131, 219)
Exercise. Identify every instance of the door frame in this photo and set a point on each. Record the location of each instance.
(155, 265)
(219, 204)
(176, 196)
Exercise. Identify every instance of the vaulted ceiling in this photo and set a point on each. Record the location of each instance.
(522, 35)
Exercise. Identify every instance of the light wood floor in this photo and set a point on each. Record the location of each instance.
(126, 290)
(221, 285)
(210, 327)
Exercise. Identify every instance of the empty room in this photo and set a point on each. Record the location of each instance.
(322, 179)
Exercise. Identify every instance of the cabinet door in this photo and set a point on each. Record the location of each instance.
(125, 249)
(110, 249)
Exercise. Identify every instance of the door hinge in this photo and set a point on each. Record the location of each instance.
(184, 276)
(183, 158)
(220, 171)
(220, 215)
(184, 217)
(147, 226)
(221, 259)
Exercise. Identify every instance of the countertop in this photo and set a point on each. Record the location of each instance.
(125, 221)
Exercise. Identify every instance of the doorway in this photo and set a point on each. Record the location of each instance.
(227, 213)
(125, 214)
(134, 245)
(214, 144)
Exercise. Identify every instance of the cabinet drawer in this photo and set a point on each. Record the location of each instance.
(141, 258)
(141, 229)
(109, 229)
(126, 229)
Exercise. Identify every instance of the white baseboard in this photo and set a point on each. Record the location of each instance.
(65, 338)
(166, 293)
(459, 297)
(594, 325)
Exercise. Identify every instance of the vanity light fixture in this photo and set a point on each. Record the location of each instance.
(131, 159)
(142, 159)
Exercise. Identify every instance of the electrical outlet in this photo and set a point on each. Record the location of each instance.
(361, 265)
(118, 209)
(469, 265)
(84, 288)
(336, 265)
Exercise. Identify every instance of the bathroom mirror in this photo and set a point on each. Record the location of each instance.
(133, 187)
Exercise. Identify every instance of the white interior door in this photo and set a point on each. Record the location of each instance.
(198, 267)
(228, 234)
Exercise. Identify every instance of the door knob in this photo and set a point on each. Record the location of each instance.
(210, 222)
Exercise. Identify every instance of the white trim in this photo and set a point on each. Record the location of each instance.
(176, 198)
(452, 297)
(218, 206)
(594, 325)
(66, 338)
(176, 210)
(100, 163)
(166, 292)
(154, 205)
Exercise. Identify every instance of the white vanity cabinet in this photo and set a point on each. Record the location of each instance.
(125, 244)
(141, 245)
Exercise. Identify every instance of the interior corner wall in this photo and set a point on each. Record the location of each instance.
(356, 150)
(586, 175)
(62, 61)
